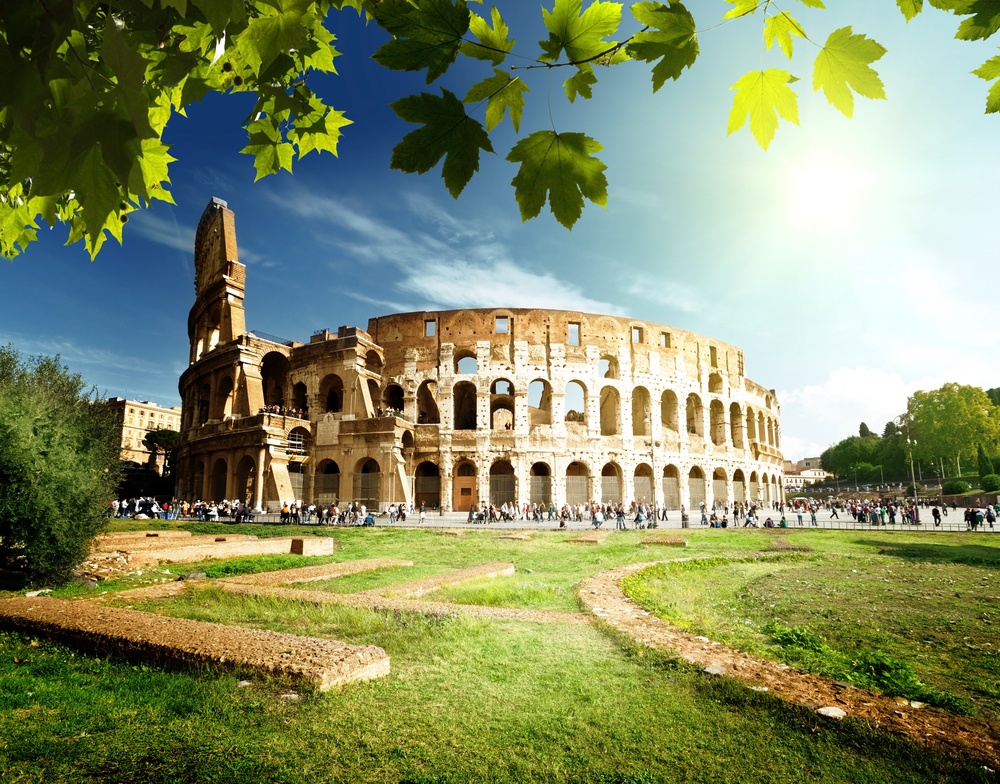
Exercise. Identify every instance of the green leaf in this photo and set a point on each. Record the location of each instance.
(283, 25)
(148, 178)
(580, 82)
(672, 40)
(741, 8)
(320, 134)
(842, 66)
(94, 184)
(494, 43)
(581, 35)
(910, 8)
(271, 153)
(990, 71)
(447, 131)
(427, 34)
(219, 13)
(816, 3)
(561, 167)
(781, 27)
(984, 23)
(503, 93)
(763, 96)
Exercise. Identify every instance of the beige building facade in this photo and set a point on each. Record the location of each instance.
(139, 417)
(461, 408)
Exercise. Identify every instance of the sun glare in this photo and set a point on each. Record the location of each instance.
(828, 194)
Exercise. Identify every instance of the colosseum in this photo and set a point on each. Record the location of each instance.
(463, 407)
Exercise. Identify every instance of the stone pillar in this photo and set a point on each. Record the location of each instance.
(258, 489)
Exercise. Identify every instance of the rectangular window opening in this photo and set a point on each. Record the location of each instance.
(637, 334)
(665, 339)
(503, 325)
(714, 356)
(430, 328)
(573, 334)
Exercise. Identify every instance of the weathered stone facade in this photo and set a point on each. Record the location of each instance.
(462, 407)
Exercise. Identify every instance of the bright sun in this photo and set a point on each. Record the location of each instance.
(828, 194)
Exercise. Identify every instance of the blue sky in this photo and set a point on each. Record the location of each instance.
(853, 261)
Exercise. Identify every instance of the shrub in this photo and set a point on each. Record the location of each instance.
(991, 483)
(955, 487)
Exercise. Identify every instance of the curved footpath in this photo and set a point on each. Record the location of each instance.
(603, 596)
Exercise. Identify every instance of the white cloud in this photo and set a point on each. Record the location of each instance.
(815, 416)
(163, 231)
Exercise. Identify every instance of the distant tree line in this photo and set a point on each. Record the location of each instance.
(948, 432)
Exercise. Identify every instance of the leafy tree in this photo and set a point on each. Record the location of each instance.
(89, 88)
(162, 440)
(985, 464)
(952, 421)
(889, 430)
(844, 457)
(864, 431)
(994, 395)
(990, 483)
(59, 463)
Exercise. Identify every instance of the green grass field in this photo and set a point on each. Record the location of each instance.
(473, 699)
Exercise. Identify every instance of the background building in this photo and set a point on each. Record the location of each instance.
(464, 407)
(138, 417)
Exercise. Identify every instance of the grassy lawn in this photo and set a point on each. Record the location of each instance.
(474, 699)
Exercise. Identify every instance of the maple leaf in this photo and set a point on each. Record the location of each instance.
(502, 92)
(842, 66)
(561, 167)
(493, 41)
(763, 96)
(447, 131)
(984, 22)
(672, 40)
(271, 153)
(427, 34)
(741, 8)
(780, 28)
(990, 71)
(910, 8)
(819, 3)
(581, 35)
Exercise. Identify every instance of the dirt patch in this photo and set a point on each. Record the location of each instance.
(593, 537)
(416, 588)
(783, 545)
(324, 663)
(308, 574)
(666, 541)
(603, 596)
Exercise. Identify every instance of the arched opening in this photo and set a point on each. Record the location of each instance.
(503, 484)
(736, 426)
(770, 431)
(751, 426)
(373, 395)
(611, 484)
(300, 398)
(466, 363)
(392, 400)
(274, 370)
(754, 489)
(576, 403)
(332, 393)
(246, 476)
(373, 362)
(717, 418)
(464, 402)
(539, 403)
(463, 485)
(765, 490)
(610, 409)
(642, 484)
(427, 404)
(198, 481)
(217, 481)
(695, 416)
(541, 484)
(607, 367)
(299, 442)
(577, 484)
(642, 423)
(715, 383)
(427, 485)
(671, 487)
(297, 478)
(223, 404)
(696, 487)
(327, 482)
(213, 329)
(501, 405)
(668, 410)
(720, 491)
(204, 398)
(761, 430)
(367, 476)
(739, 486)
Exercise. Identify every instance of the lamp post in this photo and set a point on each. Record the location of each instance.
(913, 480)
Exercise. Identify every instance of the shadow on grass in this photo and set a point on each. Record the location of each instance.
(966, 554)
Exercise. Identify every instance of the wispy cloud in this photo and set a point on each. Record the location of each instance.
(163, 231)
(668, 293)
(447, 263)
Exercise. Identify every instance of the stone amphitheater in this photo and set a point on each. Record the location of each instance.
(456, 409)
